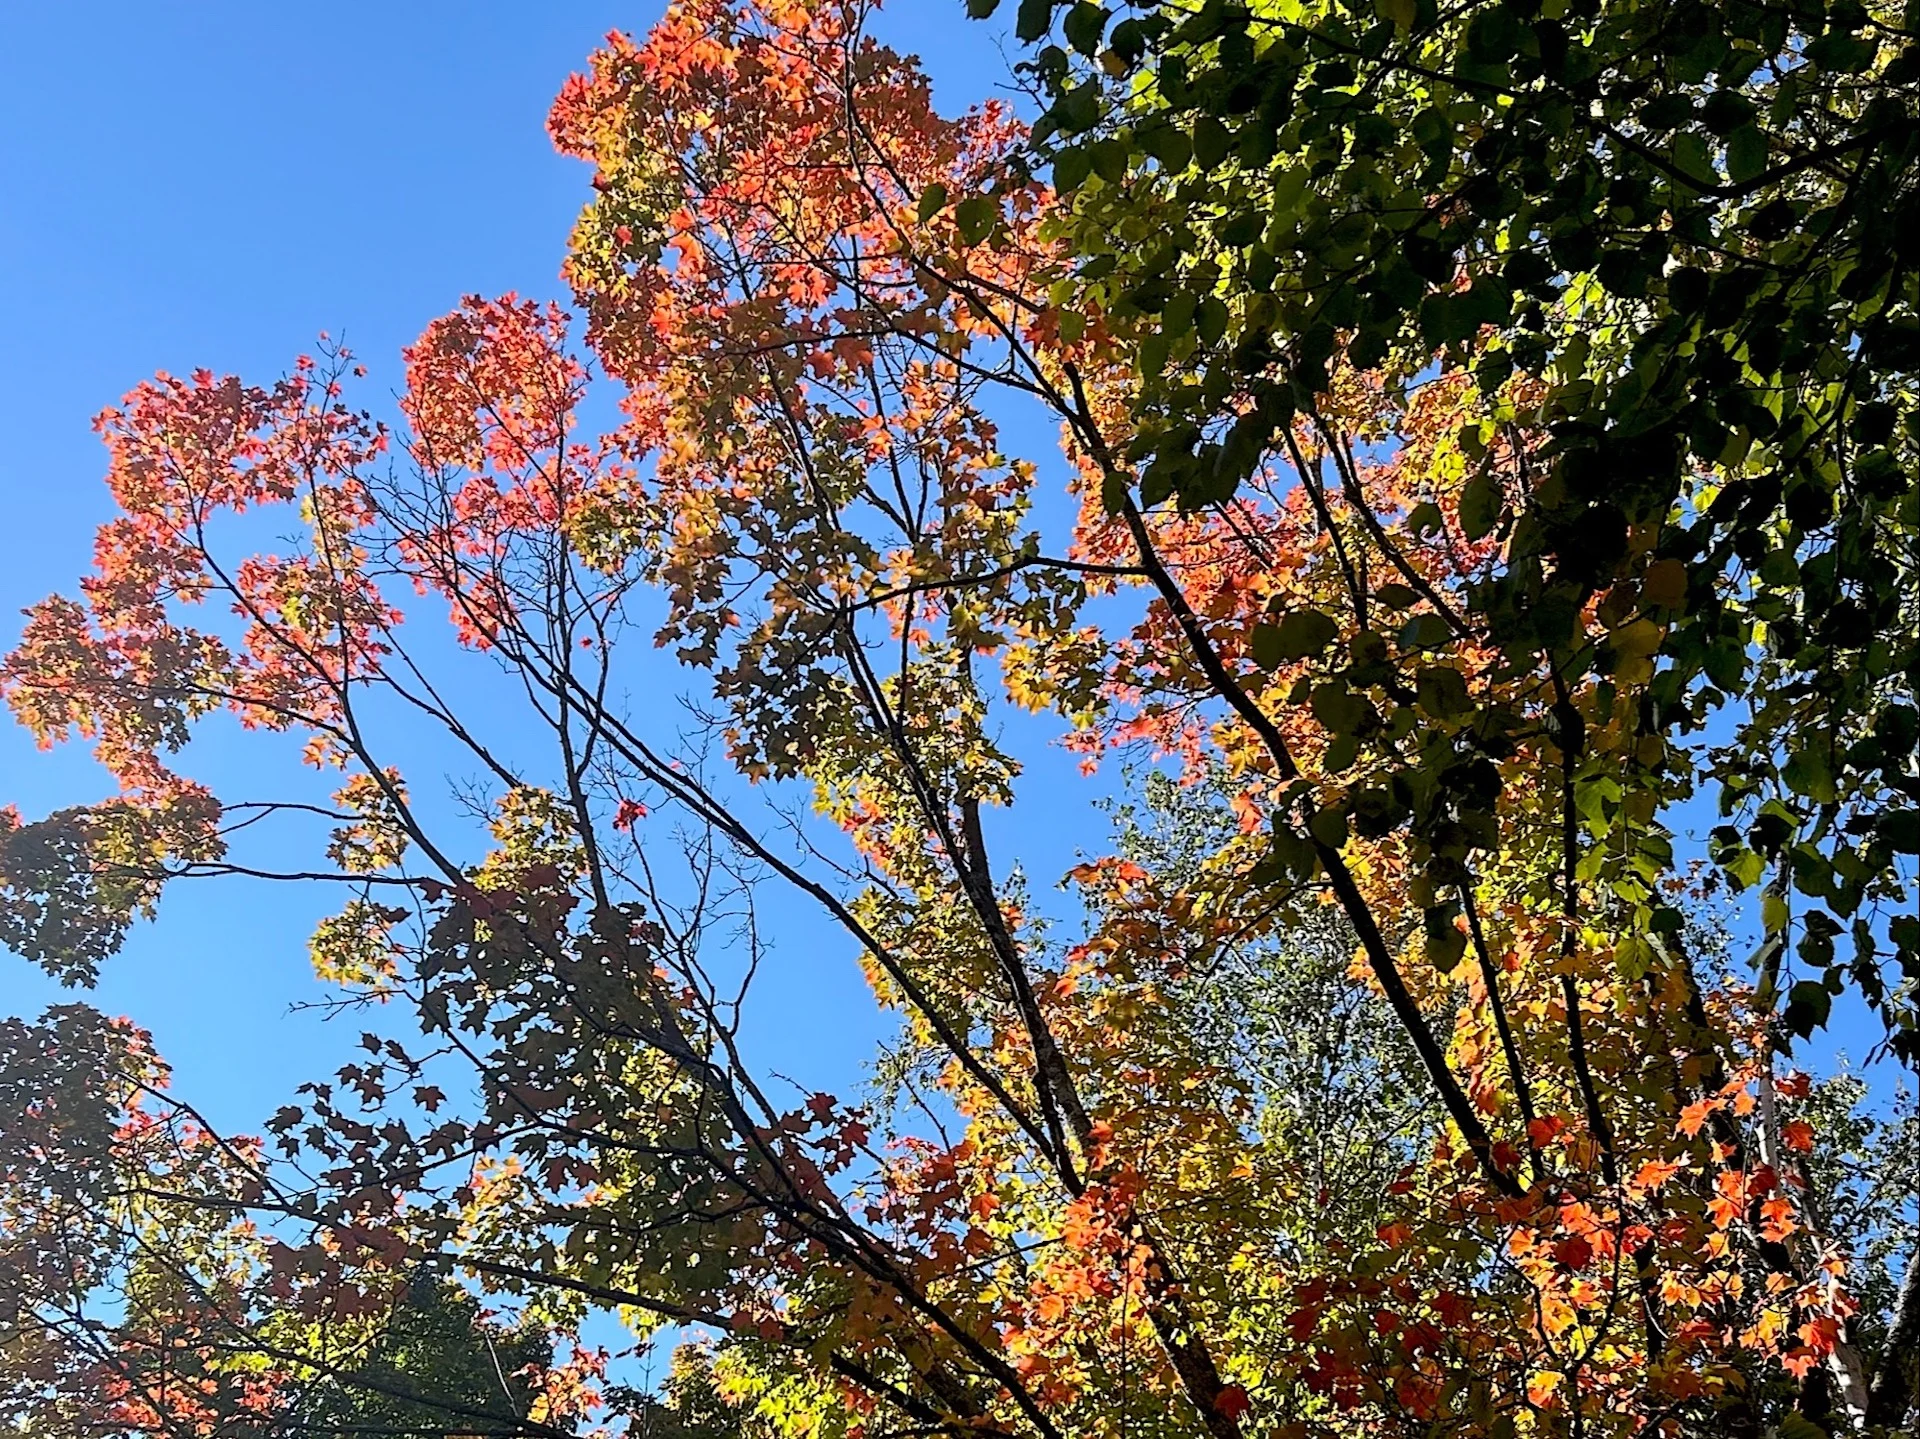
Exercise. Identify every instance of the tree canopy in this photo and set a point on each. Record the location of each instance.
(1673, 246)
(1485, 437)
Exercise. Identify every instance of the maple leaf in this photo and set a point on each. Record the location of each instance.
(1693, 1117)
(1232, 1401)
(1575, 1252)
(1654, 1174)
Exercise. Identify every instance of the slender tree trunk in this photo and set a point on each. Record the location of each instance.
(1896, 1382)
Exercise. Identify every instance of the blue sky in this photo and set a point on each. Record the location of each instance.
(212, 185)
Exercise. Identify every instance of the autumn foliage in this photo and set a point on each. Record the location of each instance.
(1534, 1162)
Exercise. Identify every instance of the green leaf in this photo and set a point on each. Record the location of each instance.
(1033, 20)
(1809, 773)
(1444, 320)
(976, 216)
(1424, 632)
(933, 200)
(1446, 945)
(1265, 643)
(1746, 154)
(1176, 316)
(1211, 141)
(1329, 826)
(1079, 108)
(1480, 504)
(1153, 355)
(1210, 319)
(1841, 53)
(1169, 145)
(1442, 692)
(1774, 914)
(1369, 652)
(1798, 1426)
(1743, 866)
(1293, 851)
(1083, 27)
(1808, 1006)
(1690, 158)
(1369, 348)
(1299, 635)
(1288, 189)
(1338, 708)
(1071, 168)
(1426, 518)
(1395, 596)
(1400, 13)
(1110, 160)
(1635, 957)
(1900, 828)
(1128, 41)
(1488, 302)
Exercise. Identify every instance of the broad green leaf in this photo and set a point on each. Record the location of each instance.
(1084, 25)
(1301, 634)
(1443, 692)
(1480, 504)
(1033, 19)
(975, 217)
(1746, 154)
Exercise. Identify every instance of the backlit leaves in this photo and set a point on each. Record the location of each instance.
(1381, 1073)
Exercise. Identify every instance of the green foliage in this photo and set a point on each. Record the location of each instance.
(1865, 1163)
(1678, 246)
(690, 1404)
(70, 884)
(435, 1366)
(1329, 1072)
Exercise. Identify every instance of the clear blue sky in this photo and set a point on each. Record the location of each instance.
(211, 185)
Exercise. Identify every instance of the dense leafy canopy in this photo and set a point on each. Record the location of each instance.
(1379, 1068)
(432, 1364)
(1674, 244)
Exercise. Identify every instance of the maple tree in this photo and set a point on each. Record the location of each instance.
(1381, 1073)
(139, 1298)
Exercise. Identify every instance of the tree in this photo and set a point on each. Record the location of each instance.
(1099, 1201)
(1686, 229)
(139, 1300)
(435, 1366)
(690, 1404)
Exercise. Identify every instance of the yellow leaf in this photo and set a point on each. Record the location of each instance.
(1637, 640)
(1665, 584)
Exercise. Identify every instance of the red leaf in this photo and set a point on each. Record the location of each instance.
(1232, 1401)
